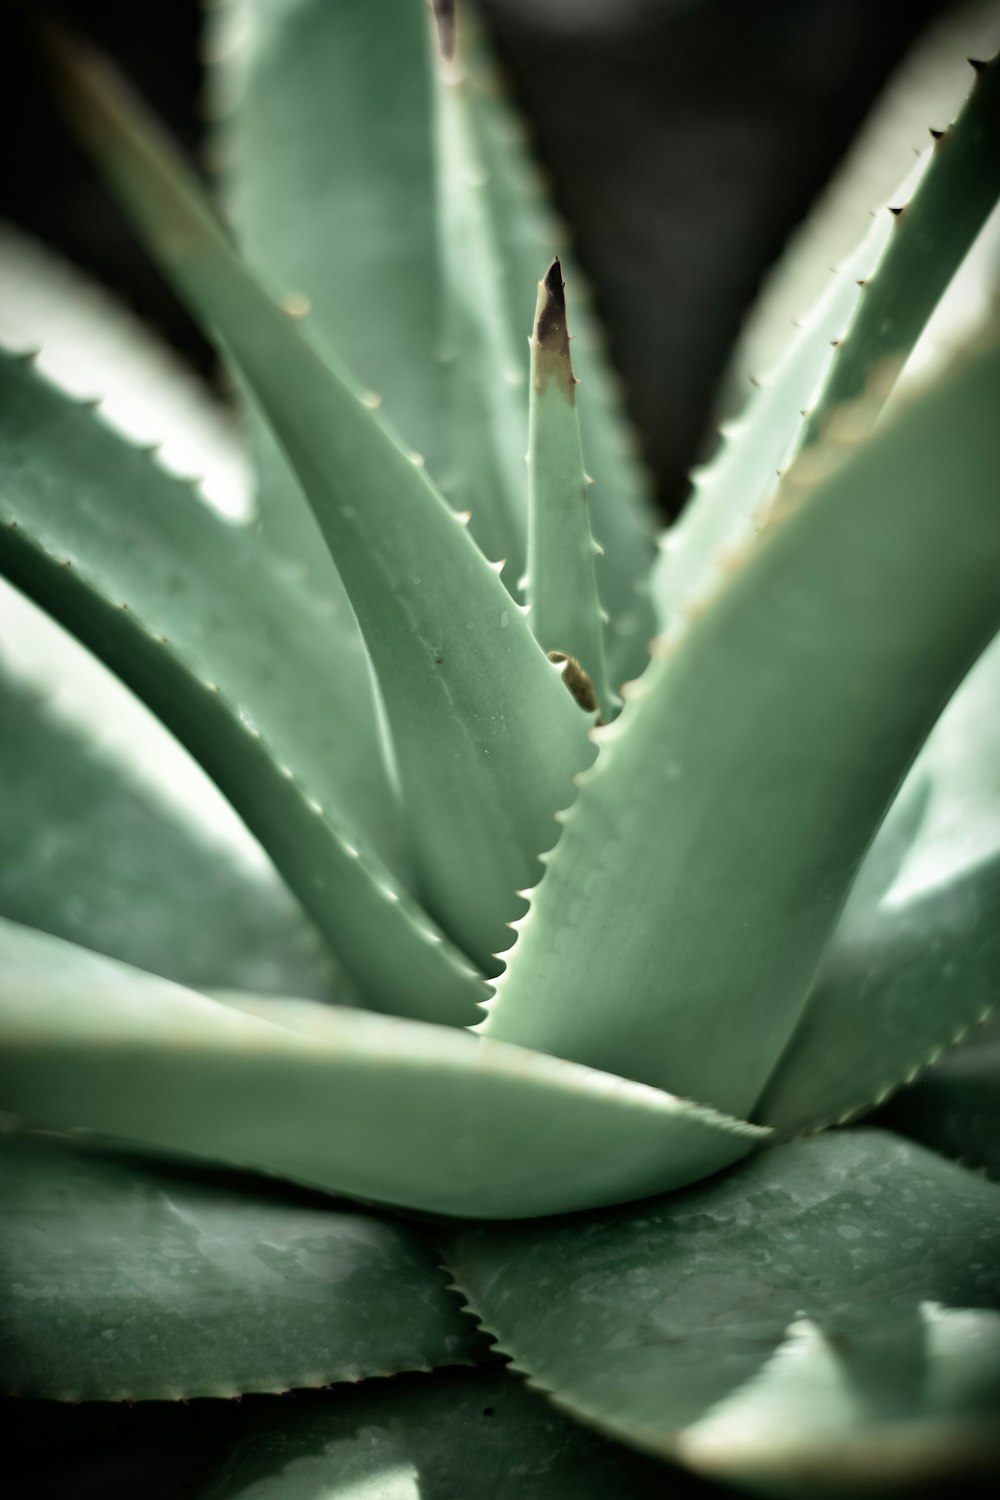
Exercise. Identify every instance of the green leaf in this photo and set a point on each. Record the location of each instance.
(825, 1313)
(742, 785)
(872, 314)
(334, 196)
(927, 89)
(934, 232)
(482, 467)
(565, 615)
(371, 1106)
(528, 232)
(912, 965)
(92, 855)
(448, 1434)
(208, 649)
(330, 193)
(130, 1282)
(485, 737)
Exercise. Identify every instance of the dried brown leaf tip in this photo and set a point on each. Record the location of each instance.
(551, 335)
(445, 27)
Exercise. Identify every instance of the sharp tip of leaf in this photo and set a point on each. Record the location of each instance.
(445, 27)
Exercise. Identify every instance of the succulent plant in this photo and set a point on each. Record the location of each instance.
(599, 879)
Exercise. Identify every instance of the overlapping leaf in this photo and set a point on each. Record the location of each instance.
(128, 1281)
(915, 963)
(379, 1108)
(221, 654)
(827, 1314)
(92, 855)
(336, 197)
(484, 736)
(679, 924)
(855, 341)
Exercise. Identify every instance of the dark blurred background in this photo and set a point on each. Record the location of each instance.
(684, 140)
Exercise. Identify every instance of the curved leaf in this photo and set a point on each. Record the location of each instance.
(745, 779)
(485, 738)
(446, 1434)
(334, 196)
(872, 315)
(208, 650)
(564, 613)
(912, 965)
(92, 855)
(130, 1282)
(375, 1107)
(824, 1314)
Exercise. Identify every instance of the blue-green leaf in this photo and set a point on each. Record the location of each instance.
(428, 1117)
(825, 1315)
(126, 1281)
(735, 797)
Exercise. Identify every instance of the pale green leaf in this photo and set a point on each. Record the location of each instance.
(485, 738)
(375, 1107)
(93, 855)
(219, 653)
(734, 799)
(564, 612)
(825, 1315)
(926, 91)
(872, 315)
(334, 195)
(916, 963)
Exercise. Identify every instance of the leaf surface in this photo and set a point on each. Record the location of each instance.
(564, 611)
(219, 653)
(371, 1106)
(484, 736)
(914, 965)
(735, 797)
(824, 1314)
(92, 855)
(133, 1282)
(854, 342)
(335, 197)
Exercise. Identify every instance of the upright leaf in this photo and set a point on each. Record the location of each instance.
(485, 737)
(482, 466)
(741, 788)
(565, 614)
(872, 314)
(334, 195)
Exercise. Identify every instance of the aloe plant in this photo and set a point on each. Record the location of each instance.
(598, 878)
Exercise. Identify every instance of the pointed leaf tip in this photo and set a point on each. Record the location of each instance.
(551, 333)
(445, 27)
